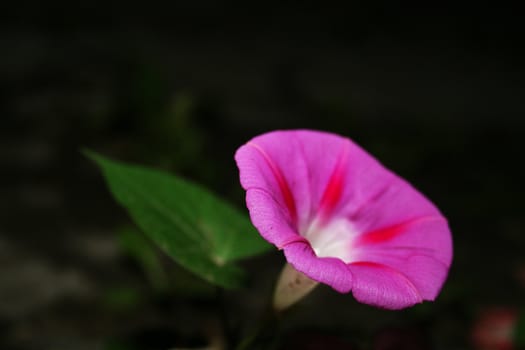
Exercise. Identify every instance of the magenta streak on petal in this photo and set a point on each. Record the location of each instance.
(334, 188)
(373, 197)
(281, 181)
(389, 270)
(387, 233)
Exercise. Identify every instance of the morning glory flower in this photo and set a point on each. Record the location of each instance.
(343, 219)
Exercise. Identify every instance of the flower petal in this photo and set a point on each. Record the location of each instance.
(382, 286)
(428, 236)
(420, 249)
(300, 161)
(397, 203)
(265, 169)
(331, 271)
(269, 217)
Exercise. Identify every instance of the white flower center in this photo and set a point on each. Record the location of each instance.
(333, 239)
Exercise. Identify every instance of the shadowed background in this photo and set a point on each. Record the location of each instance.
(435, 93)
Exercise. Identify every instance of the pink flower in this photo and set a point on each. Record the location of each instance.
(343, 219)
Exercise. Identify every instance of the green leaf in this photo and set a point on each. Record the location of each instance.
(134, 243)
(198, 230)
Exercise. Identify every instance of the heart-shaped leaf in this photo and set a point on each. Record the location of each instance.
(200, 231)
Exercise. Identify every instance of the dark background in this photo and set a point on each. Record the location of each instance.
(435, 93)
